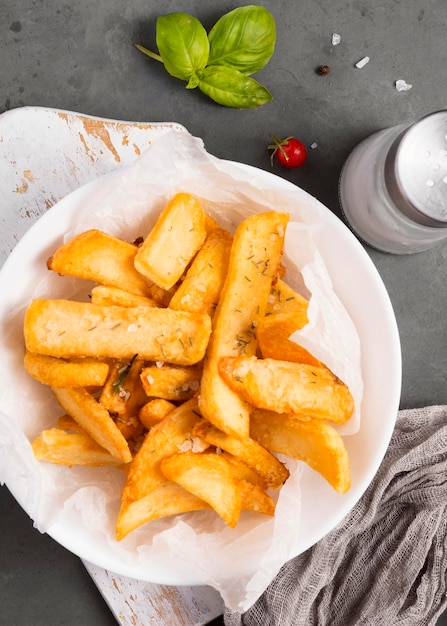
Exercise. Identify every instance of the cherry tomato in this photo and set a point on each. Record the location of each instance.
(289, 152)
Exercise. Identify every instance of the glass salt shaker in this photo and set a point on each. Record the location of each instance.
(393, 186)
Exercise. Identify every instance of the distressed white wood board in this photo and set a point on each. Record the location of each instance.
(44, 155)
(136, 603)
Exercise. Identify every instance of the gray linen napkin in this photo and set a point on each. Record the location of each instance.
(386, 562)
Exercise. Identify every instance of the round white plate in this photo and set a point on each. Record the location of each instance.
(361, 290)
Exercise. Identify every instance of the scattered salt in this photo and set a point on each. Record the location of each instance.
(335, 39)
(132, 328)
(314, 145)
(362, 62)
(401, 85)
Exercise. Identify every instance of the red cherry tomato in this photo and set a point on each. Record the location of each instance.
(289, 152)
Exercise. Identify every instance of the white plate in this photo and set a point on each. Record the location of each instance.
(360, 289)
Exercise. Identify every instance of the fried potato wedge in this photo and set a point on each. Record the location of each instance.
(62, 373)
(64, 328)
(123, 393)
(94, 255)
(274, 343)
(171, 382)
(284, 299)
(106, 295)
(243, 472)
(201, 287)
(169, 498)
(287, 387)
(71, 448)
(313, 441)
(174, 240)
(154, 411)
(254, 258)
(253, 498)
(246, 450)
(164, 439)
(95, 420)
(208, 477)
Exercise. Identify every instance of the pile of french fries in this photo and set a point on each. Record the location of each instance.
(179, 369)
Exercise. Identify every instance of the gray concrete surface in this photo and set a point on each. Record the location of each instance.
(79, 56)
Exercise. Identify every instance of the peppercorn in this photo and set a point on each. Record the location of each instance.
(324, 69)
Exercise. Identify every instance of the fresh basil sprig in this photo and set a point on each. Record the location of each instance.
(219, 63)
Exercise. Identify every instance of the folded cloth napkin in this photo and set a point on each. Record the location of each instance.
(386, 562)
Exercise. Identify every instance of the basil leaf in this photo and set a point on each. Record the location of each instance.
(231, 88)
(183, 44)
(243, 39)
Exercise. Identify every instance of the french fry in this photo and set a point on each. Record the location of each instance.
(287, 387)
(106, 295)
(171, 382)
(169, 498)
(95, 420)
(255, 256)
(313, 441)
(94, 255)
(66, 329)
(174, 240)
(201, 287)
(62, 373)
(247, 450)
(164, 439)
(154, 411)
(207, 477)
(71, 448)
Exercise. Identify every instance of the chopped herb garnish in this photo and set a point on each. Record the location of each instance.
(123, 373)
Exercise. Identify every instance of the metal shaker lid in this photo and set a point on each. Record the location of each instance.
(416, 171)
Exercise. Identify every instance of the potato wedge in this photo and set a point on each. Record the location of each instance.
(255, 255)
(287, 387)
(247, 450)
(255, 499)
(171, 382)
(201, 287)
(169, 498)
(71, 448)
(164, 439)
(174, 240)
(66, 329)
(274, 343)
(94, 255)
(106, 295)
(313, 441)
(243, 472)
(123, 392)
(154, 411)
(95, 420)
(62, 373)
(284, 299)
(207, 477)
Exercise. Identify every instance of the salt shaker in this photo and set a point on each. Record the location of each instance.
(393, 186)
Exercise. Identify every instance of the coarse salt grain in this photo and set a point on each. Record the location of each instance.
(401, 85)
(335, 39)
(314, 145)
(362, 62)
(132, 328)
